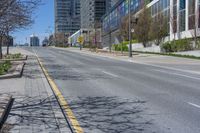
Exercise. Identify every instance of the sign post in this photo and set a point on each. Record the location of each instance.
(80, 41)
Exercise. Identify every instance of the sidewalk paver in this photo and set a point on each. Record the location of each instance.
(35, 109)
(191, 53)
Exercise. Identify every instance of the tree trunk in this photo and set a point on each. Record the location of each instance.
(95, 39)
(1, 41)
(110, 41)
(195, 37)
(8, 42)
(122, 46)
(8, 45)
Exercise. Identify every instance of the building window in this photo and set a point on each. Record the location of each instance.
(182, 15)
(174, 18)
(199, 14)
(191, 16)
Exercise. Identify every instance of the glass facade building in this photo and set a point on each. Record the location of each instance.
(182, 15)
(112, 20)
(67, 16)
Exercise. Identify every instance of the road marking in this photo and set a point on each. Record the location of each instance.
(134, 61)
(195, 105)
(113, 75)
(169, 68)
(74, 122)
(61, 52)
(177, 74)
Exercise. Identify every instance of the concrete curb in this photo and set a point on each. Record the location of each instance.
(16, 74)
(6, 102)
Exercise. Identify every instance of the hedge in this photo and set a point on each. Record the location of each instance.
(177, 46)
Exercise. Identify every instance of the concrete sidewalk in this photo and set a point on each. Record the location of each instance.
(191, 53)
(35, 109)
(177, 63)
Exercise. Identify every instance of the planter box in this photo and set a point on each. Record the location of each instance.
(15, 72)
(24, 57)
(6, 102)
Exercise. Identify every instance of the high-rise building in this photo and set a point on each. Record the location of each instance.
(34, 41)
(92, 11)
(67, 16)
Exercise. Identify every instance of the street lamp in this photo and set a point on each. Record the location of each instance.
(129, 18)
(135, 20)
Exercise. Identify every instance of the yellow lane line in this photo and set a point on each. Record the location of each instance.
(75, 124)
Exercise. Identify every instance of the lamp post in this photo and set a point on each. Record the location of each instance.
(129, 18)
(130, 28)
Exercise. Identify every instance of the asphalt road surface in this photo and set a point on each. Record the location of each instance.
(112, 96)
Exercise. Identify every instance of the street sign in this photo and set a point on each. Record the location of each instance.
(80, 40)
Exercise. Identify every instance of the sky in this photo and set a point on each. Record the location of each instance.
(43, 25)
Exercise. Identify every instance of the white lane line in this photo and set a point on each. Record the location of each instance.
(177, 74)
(61, 52)
(134, 61)
(195, 105)
(169, 68)
(113, 75)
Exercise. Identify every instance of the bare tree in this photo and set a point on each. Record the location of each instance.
(159, 29)
(16, 19)
(143, 26)
(173, 20)
(194, 26)
(97, 33)
(124, 31)
(14, 15)
(60, 39)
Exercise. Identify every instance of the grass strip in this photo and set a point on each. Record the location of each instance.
(13, 56)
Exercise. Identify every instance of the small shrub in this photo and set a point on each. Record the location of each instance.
(198, 43)
(120, 47)
(13, 56)
(177, 46)
(166, 47)
(1, 70)
(4, 67)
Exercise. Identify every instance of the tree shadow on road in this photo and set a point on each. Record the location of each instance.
(59, 72)
(36, 113)
(111, 115)
(76, 76)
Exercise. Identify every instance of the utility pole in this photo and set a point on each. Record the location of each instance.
(129, 17)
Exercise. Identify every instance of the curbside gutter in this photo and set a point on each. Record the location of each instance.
(6, 102)
(67, 112)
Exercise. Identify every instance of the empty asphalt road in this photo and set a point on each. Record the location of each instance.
(112, 96)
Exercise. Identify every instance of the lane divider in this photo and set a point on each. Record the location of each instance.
(63, 103)
(195, 105)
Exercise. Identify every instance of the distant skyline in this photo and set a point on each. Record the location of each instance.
(44, 23)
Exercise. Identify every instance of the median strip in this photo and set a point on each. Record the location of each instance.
(63, 103)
